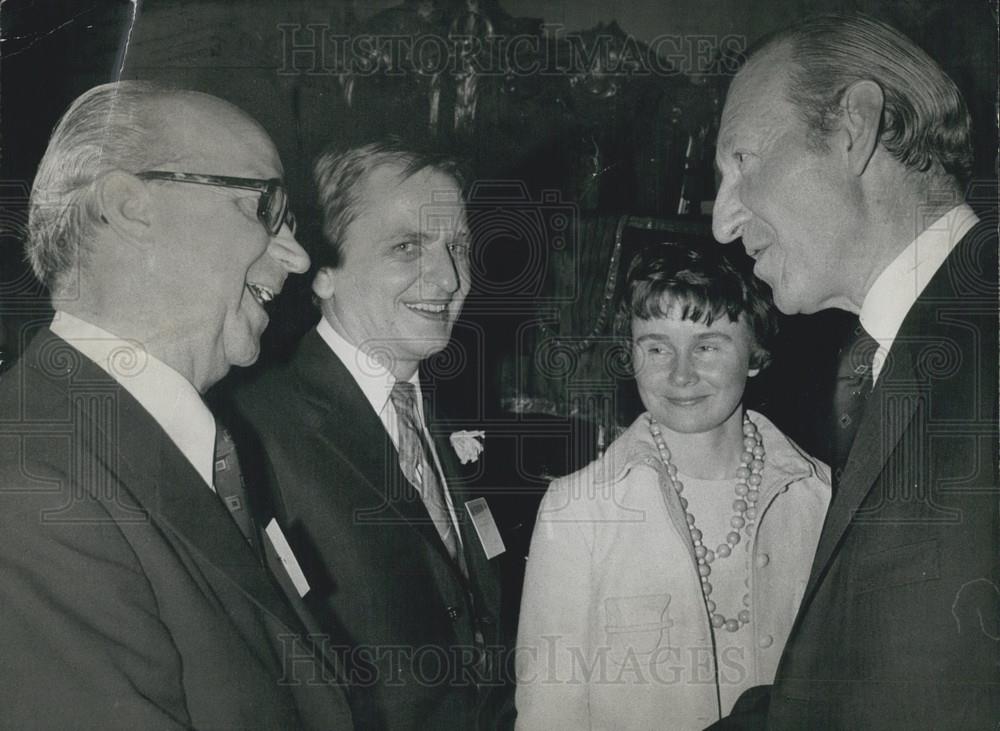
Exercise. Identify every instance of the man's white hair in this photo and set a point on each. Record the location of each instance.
(106, 128)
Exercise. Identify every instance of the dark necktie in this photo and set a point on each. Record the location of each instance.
(417, 464)
(228, 481)
(854, 384)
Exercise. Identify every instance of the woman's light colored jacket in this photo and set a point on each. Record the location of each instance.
(614, 632)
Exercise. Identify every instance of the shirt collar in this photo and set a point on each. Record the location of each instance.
(168, 397)
(786, 462)
(373, 378)
(896, 289)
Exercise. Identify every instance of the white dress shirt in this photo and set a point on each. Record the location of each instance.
(376, 383)
(168, 397)
(896, 289)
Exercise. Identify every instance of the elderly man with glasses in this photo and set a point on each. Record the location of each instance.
(134, 592)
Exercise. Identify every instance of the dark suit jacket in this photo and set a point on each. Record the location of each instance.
(128, 597)
(381, 579)
(898, 625)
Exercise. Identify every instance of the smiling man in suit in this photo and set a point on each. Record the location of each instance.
(130, 598)
(844, 152)
(363, 484)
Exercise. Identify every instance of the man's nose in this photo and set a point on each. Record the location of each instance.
(287, 251)
(729, 214)
(440, 269)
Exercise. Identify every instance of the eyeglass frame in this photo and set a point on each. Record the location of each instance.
(266, 188)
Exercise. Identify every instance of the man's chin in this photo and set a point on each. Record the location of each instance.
(246, 354)
(784, 307)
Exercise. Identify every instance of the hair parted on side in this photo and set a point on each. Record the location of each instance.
(340, 177)
(925, 121)
(700, 284)
(106, 128)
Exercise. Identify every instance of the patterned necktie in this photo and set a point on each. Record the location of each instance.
(854, 385)
(228, 481)
(417, 464)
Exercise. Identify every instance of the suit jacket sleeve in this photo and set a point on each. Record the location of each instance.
(554, 621)
(82, 643)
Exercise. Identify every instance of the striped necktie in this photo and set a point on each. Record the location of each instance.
(417, 465)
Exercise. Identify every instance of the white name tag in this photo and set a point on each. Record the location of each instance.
(287, 558)
(486, 527)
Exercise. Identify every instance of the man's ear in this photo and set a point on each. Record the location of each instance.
(753, 372)
(122, 201)
(862, 107)
(322, 284)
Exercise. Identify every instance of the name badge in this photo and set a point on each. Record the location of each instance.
(287, 558)
(486, 527)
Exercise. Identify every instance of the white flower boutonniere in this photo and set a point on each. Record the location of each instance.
(467, 445)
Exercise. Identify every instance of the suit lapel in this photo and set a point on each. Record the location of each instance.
(133, 447)
(452, 474)
(892, 406)
(889, 411)
(197, 515)
(354, 432)
(480, 569)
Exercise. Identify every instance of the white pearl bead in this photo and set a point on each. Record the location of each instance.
(746, 486)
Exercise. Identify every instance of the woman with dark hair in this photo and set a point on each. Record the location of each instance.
(663, 579)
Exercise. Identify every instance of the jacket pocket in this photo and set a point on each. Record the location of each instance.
(897, 566)
(637, 626)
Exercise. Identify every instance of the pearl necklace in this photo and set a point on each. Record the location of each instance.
(748, 481)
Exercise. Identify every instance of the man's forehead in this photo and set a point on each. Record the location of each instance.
(212, 136)
(757, 94)
(425, 190)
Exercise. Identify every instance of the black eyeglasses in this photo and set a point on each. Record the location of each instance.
(272, 209)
